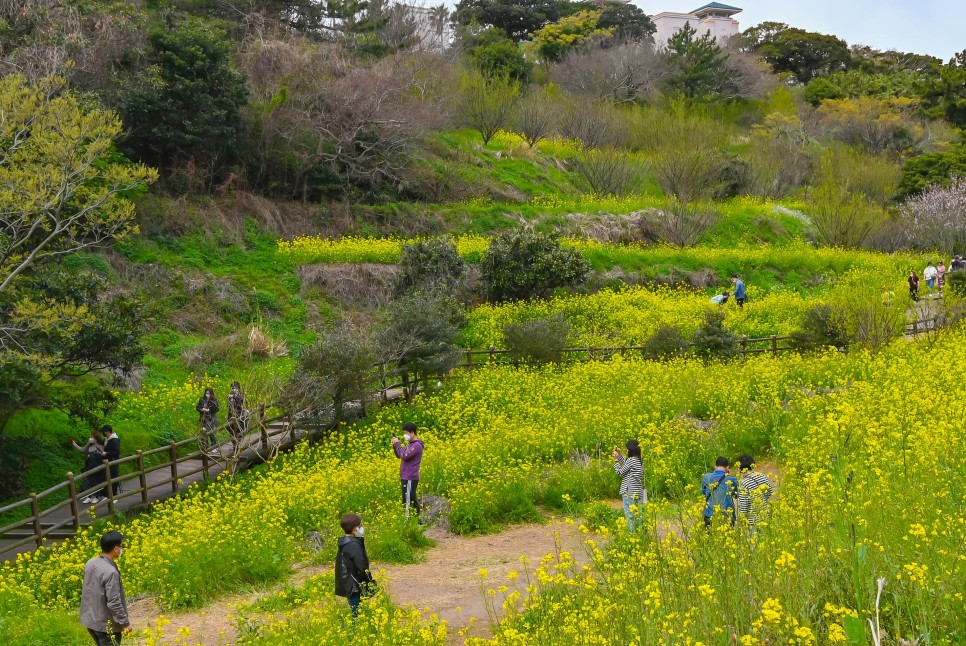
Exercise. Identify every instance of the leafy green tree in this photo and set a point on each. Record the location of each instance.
(696, 64)
(803, 54)
(495, 55)
(62, 184)
(938, 168)
(517, 18)
(854, 84)
(945, 96)
(551, 42)
(419, 338)
(431, 263)
(188, 107)
(527, 264)
(628, 22)
(338, 369)
(58, 330)
(486, 103)
(539, 340)
(712, 340)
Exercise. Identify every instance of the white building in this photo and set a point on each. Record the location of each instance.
(433, 27)
(714, 18)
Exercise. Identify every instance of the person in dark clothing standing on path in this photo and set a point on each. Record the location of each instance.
(112, 450)
(93, 457)
(237, 417)
(741, 294)
(410, 456)
(913, 286)
(103, 608)
(352, 577)
(208, 417)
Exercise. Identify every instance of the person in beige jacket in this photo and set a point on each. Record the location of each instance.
(103, 609)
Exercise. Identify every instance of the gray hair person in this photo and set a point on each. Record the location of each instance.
(103, 608)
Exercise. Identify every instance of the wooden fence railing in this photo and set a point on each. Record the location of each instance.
(491, 355)
(37, 530)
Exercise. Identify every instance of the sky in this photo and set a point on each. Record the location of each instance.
(933, 27)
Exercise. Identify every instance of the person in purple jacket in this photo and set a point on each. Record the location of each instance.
(410, 457)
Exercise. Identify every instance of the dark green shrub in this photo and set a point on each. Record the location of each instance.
(526, 264)
(822, 327)
(495, 55)
(712, 340)
(923, 171)
(667, 342)
(956, 282)
(430, 263)
(538, 340)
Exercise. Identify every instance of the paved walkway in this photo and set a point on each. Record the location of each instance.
(249, 452)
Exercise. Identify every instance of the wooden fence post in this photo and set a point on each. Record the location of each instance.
(291, 428)
(262, 429)
(74, 510)
(109, 487)
(491, 353)
(774, 345)
(173, 454)
(744, 345)
(35, 510)
(469, 360)
(382, 373)
(143, 478)
(204, 463)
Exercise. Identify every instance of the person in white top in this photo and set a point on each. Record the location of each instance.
(929, 273)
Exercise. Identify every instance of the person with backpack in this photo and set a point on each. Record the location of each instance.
(719, 489)
(410, 459)
(353, 580)
(754, 492)
(631, 471)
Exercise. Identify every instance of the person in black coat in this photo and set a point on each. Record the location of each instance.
(352, 577)
(112, 450)
(208, 417)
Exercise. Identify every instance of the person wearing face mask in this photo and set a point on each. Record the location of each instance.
(410, 457)
(103, 608)
(352, 577)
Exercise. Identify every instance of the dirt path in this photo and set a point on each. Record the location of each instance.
(446, 583)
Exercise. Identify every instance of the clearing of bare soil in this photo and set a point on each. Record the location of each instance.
(447, 582)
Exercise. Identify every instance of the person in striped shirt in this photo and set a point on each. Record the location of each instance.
(754, 492)
(631, 471)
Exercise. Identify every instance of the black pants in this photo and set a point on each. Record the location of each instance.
(409, 493)
(741, 301)
(105, 639)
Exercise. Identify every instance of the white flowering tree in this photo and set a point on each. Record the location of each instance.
(936, 218)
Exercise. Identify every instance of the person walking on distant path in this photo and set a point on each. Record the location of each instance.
(410, 456)
(353, 580)
(754, 492)
(237, 415)
(719, 489)
(956, 264)
(913, 286)
(929, 273)
(633, 493)
(103, 608)
(741, 294)
(208, 418)
(112, 450)
(94, 453)
(941, 274)
(721, 298)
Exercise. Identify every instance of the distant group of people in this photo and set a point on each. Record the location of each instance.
(726, 496)
(238, 417)
(934, 275)
(740, 293)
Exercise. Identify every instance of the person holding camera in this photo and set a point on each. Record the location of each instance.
(410, 457)
(631, 471)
